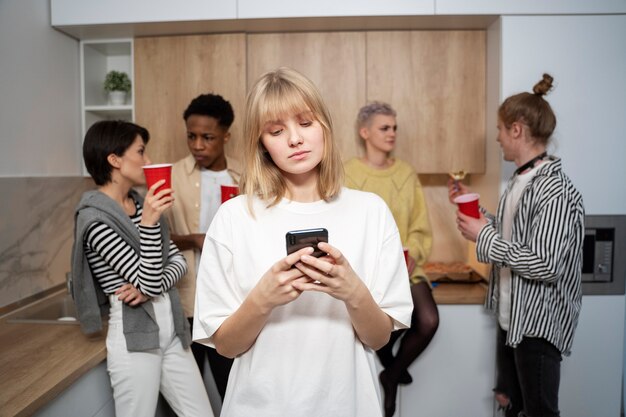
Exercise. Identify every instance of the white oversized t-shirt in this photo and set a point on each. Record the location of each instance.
(210, 199)
(307, 360)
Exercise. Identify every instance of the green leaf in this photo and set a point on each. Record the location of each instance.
(117, 81)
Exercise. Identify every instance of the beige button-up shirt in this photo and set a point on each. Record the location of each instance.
(184, 218)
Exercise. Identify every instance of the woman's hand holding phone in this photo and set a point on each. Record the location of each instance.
(275, 288)
(331, 274)
(278, 285)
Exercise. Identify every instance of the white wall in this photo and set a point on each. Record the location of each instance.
(591, 378)
(587, 57)
(39, 94)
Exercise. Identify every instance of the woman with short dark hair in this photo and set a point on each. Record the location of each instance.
(124, 261)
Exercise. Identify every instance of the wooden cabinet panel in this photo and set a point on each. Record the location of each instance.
(434, 79)
(436, 82)
(334, 61)
(171, 71)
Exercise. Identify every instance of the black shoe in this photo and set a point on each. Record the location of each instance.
(405, 378)
(390, 389)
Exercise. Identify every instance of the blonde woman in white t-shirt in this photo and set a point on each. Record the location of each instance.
(303, 330)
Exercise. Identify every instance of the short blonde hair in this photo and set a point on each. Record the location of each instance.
(367, 113)
(275, 95)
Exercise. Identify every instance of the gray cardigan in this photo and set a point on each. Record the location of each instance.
(141, 329)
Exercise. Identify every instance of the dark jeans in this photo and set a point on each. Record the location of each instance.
(220, 365)
(529, 375)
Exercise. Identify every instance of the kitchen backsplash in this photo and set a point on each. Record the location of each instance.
(36, 229)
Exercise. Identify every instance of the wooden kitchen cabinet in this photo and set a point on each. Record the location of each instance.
(434, 79)
(334, 61)
(171, 71)
(436, 82)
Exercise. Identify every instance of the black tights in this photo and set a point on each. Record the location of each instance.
(424, 324)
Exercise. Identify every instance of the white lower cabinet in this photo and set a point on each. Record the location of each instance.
(455, 375)
(90, 396)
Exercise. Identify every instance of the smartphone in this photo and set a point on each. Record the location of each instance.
(298, 239)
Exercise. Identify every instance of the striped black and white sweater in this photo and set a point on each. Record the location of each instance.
(544, 255)
(113, 261)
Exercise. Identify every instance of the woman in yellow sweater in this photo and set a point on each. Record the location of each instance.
(397, 183)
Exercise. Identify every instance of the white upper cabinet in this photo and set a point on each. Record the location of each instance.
(98, 19)
(94, 12)
(516, 7)
(251, 9)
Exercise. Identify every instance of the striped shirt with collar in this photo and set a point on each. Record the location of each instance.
(114, 262)
(544, 255)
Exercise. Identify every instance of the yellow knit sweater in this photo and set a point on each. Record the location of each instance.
(401, 189)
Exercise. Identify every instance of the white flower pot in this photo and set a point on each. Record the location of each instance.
(117, 98)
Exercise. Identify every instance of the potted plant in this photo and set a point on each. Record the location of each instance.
(117, 84)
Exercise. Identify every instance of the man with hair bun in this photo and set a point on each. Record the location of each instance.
(534, 245)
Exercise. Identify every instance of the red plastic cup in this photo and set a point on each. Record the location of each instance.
(468, 204)
(406, 255)
(229, 191)
(158, 172)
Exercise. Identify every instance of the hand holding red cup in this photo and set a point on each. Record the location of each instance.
(158, 172)
(468, 204)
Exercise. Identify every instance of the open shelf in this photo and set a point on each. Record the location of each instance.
(97, 58)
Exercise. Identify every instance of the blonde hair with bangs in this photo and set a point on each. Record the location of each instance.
(277, 94)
